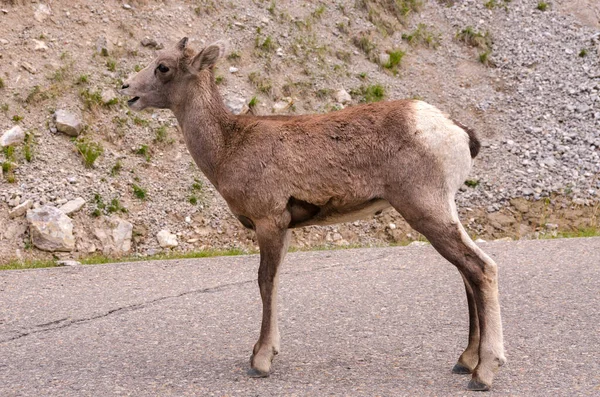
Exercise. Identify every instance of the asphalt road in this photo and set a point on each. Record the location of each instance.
(363, 322)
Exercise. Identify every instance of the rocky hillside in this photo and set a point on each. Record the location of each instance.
(82, 175)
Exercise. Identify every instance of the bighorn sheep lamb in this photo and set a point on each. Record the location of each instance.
(281, 172)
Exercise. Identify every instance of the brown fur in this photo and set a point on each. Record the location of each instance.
(280, 172)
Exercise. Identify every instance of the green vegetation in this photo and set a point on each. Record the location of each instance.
(28, 147)
(1, 83)
(16, 118)
(491, 4)
(8, 165)
(484, 57)
(114, 171)
(234, 56)
(89, 151)
(17, 264)
(394, 61)
(139, 192)
(253, 102)
(161, 134)
(111, 65)
(144, 150)
(193, 200)
(422, 36)
(83, 79)
(364, 43)
(542, 6)
(266, 45)
(264, 85)
(219, 80)
(318, 13)
(583, 53)
(472, 183)
(387, 14)
(477, 39)
(369, 93)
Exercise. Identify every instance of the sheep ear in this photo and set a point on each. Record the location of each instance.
(182, 44)
(208, 57)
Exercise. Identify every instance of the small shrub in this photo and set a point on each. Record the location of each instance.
(1, 83)
(140, 121)
(542, 6)
(139, 192)
(89, 151)
(197, 185)
(268, 45)
(137, 68)
(91, 100)
(583, 53)
(219, 80)
(484, 58)
(193, 200)
(234, 56)
(16, 118)
(271, 8)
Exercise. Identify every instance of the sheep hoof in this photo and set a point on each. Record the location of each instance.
(475, 385)
(461, 369)
(256, 373)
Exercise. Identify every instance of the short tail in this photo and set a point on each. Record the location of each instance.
(474, 144)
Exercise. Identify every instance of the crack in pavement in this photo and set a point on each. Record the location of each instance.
(65, 322)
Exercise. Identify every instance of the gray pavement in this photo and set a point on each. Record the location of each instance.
(364, 322)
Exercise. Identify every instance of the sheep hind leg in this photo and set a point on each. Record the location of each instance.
(470, 357)
(440, 225)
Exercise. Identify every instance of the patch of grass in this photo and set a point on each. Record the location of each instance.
(253, 102)
(5, 107)
(266, 45)
(161, 134)
(193, 200)
(474, 38)
(583, 53)
(491, 4)
(28, 147)
(2, 85)
(89, 151)
(17, 264)
(16, 118)
(140, 121)
(8, 165)
(369, 93)
(197, 185)
(271, 7)
(137, 68)
(115, 206)
(542, 6)
(111, 65)
(472, 183)
(91, 100)
(362, 75)
(262, 84)
(82, 79)
(234, 56)
(484, 58)
(422, 36)
(114, 171)
(394, 61)
(386, 14)
(319, 11)
(102, 259)
(61, 74)
(364, 43)
(219, 80)
(139, 192)
(144, 150)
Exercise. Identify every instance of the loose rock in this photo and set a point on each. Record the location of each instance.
(50, 229)
(67, 122)
(166, 239)
(13, 136)
(73, 206)
(21, 209)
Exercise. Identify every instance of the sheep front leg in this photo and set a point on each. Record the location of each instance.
(273, 244)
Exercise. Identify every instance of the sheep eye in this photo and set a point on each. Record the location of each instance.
(162, 68)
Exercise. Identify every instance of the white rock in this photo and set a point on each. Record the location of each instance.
(41, 13)
(67, 122)
(21, 209)
(233, 69)
(236, 105)
(342, 96)
(282, 105)
(166, 239)
(121, 234)
(12, 136)
(72, 206)
(29, 67)
(68, 263)
(50, 229)
(39, 45)
(417, 243)
(108, 96)
(384, 58)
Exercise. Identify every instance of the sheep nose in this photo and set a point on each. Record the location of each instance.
(125, 86)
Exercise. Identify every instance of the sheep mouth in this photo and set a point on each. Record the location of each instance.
(133, 100)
